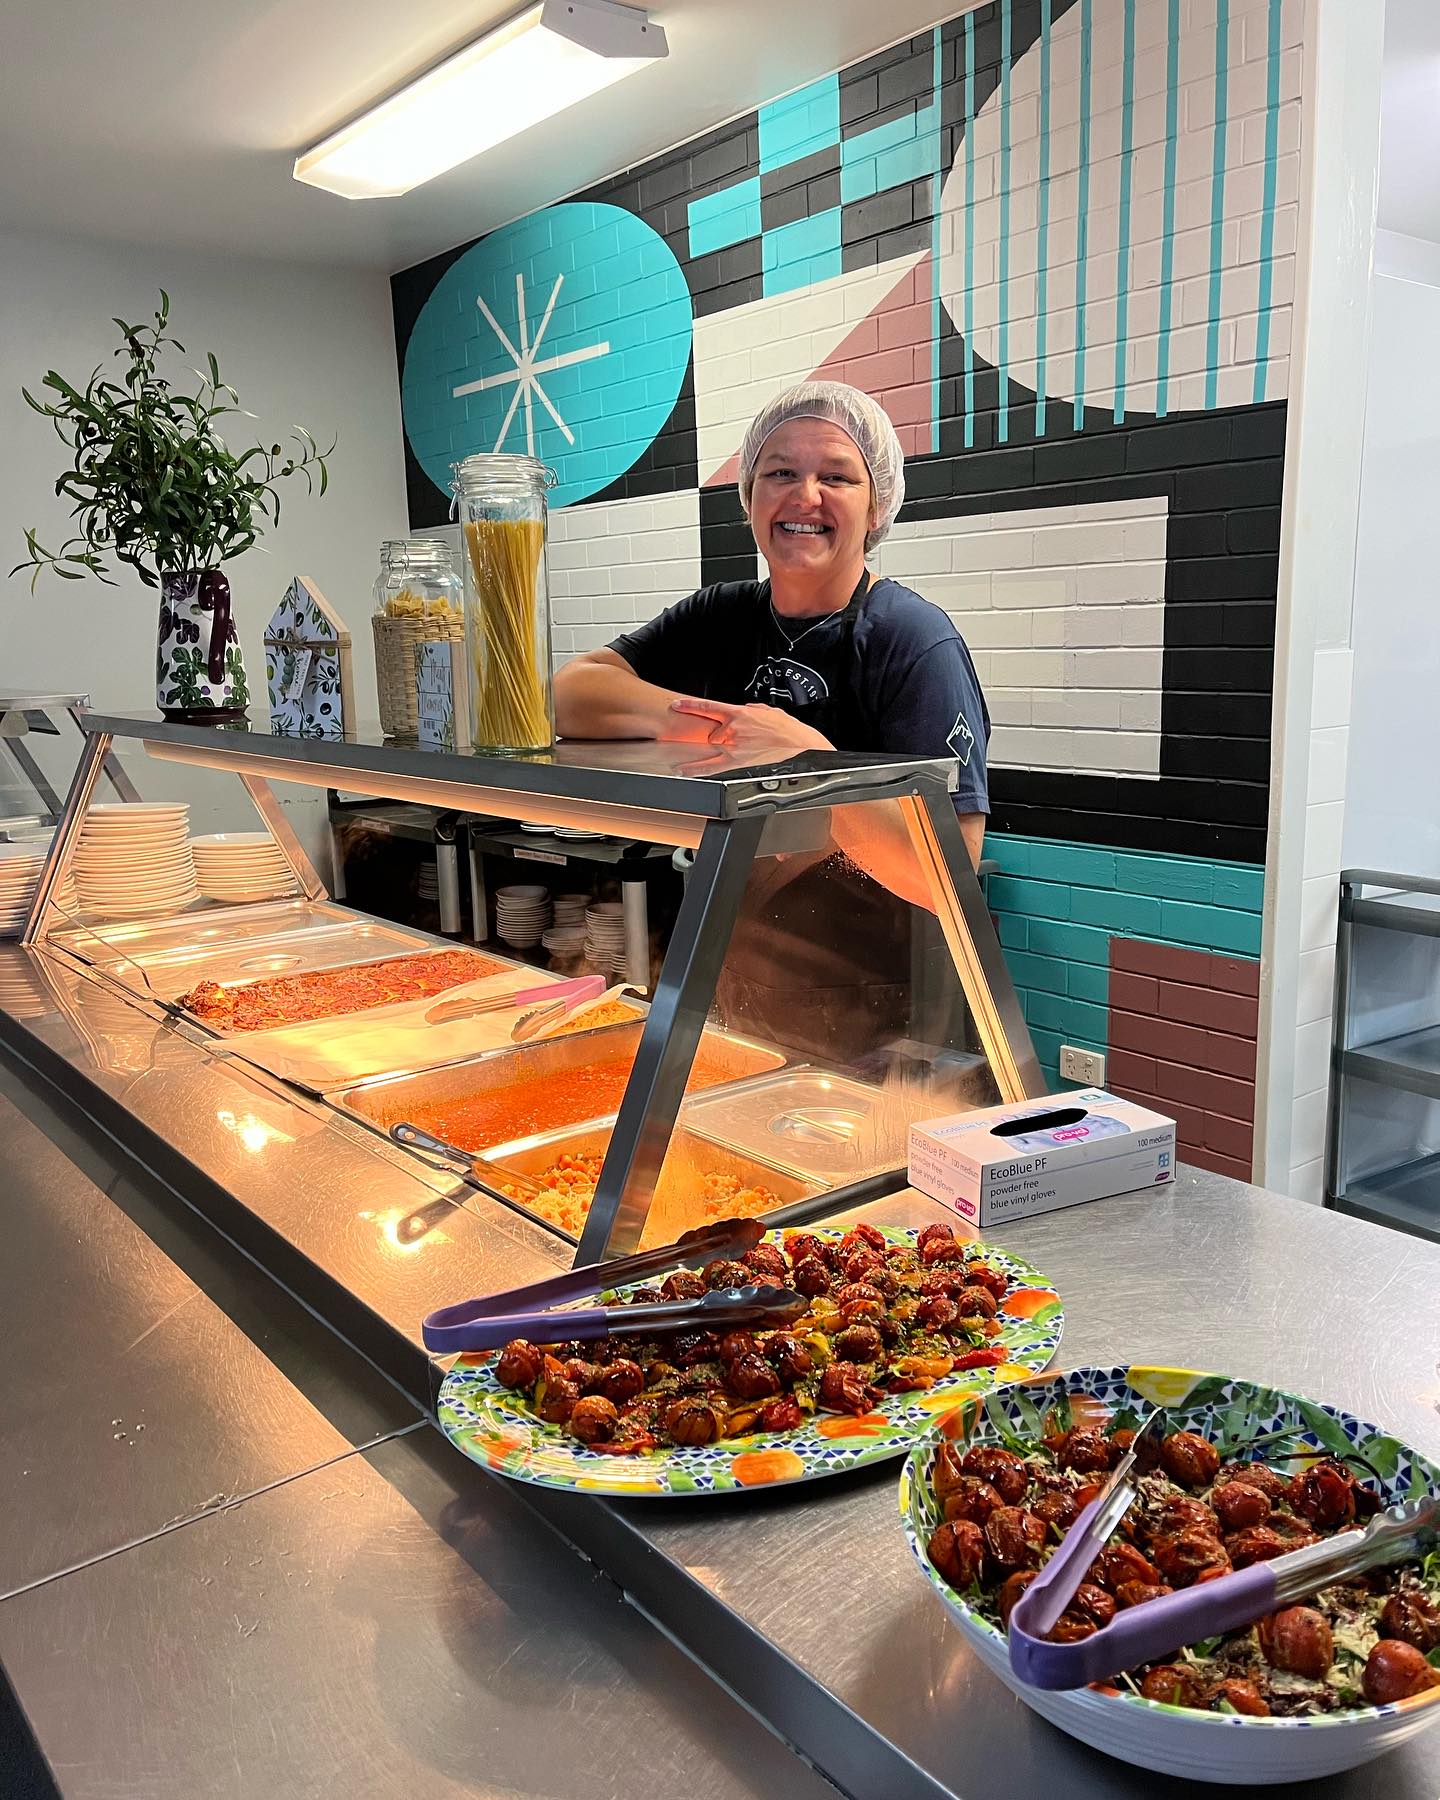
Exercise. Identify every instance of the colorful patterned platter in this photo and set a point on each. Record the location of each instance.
(491, 1424)
(1224, 1747)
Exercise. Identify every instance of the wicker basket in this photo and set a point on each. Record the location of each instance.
(396, 641)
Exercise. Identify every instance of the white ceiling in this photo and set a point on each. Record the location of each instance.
(175, 122)
(1410, 120)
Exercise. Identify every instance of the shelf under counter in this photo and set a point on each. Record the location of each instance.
(1410, 1061)
(1407, 1196)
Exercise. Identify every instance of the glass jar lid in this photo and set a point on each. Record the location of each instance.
(485, 474)
(415, 553)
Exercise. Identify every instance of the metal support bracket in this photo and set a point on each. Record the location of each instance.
(280, 828)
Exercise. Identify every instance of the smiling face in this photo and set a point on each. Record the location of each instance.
(810, 508)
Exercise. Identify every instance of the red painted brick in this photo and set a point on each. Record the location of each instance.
(1189, 1121)
(1219, 1165)
(1199, 1087)
(1197, 968)
(1228, 1055)
(906, 325)
(1231, 1137)
(1135, 993)
(1158, 1037)
(885, 369)
(1236, 1013)
(1126, 1073)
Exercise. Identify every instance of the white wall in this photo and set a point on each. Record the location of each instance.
(1392, 817)
(303, 346)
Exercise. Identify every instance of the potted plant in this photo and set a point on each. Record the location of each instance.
(157, 488)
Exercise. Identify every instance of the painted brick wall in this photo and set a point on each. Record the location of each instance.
(1056, 239)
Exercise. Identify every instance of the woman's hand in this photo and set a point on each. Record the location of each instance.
(744, 729)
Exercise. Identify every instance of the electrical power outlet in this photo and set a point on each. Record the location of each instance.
(1085, 1066)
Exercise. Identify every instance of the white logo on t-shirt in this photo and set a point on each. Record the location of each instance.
(780, 681)
(961, 741)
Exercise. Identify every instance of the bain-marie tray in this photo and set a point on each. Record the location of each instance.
(818, 1125)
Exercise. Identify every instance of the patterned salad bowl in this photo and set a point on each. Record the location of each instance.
(1289, 1433)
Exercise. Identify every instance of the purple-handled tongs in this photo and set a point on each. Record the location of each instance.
(538, 1313)
(1156, 1628)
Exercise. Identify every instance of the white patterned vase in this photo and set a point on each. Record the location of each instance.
(199, 670)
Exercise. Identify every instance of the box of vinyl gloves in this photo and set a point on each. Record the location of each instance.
(1006, 1162)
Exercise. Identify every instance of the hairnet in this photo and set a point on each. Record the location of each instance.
(862, 419)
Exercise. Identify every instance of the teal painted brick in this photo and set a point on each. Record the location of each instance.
(1241, 887)
(1012, 853)
(1047, 1048)
(1079, 943)
(1211, 928)
(1073, 863)
(1135, 915)
(1089, 981)
(1045, 973)
(1014, 929)
(1040, 899)
(1080, 1024)
(1167, 877)
(800, 124)
(725, 218)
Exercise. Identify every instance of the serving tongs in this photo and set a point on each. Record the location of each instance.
(537, 1312)
(550, 1000)
(1157, 1628)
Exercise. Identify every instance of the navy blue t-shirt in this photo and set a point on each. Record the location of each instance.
(889, 672)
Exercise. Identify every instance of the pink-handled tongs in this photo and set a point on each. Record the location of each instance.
(537, 1312)
(1157, 1628)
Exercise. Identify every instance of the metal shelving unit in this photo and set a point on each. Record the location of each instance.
(1383, 1151)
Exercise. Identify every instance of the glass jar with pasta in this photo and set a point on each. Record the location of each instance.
(507, 601)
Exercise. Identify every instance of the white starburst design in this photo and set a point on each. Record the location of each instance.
(527, 371)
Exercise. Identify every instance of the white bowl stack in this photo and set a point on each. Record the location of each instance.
(20, 866)
(605, 937)
(241, 865)
(522, 915)
(565, 940)
(133, 859)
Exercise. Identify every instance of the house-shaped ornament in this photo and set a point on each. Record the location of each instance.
(307, 666)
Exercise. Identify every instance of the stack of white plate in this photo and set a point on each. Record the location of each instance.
(570, 909)
(427, 882)
(522, 915)
(241, 865)
(605, 937)
(133, 859)
(20, 866)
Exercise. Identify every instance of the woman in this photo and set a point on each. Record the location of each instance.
(821, 656)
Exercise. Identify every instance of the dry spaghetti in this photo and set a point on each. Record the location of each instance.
(511, 684)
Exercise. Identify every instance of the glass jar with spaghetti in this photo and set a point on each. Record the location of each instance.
(507, 601)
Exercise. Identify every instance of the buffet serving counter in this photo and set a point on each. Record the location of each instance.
(294, 1490)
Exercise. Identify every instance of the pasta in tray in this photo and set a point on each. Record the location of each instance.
(511, 689)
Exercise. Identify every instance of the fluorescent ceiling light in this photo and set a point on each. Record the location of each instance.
(542, 61)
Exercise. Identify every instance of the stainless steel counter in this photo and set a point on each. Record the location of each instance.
(206, 1588)
(808, 1603)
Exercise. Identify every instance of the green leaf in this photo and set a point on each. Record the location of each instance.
(1327, 1431)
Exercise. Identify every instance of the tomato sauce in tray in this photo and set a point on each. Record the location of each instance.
(543, 1102)
(325, 993)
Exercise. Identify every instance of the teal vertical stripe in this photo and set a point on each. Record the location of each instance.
(1127, 176)
(1217, 198)
(1003, 428)
(937, 111)
(969, 231)
(1267, 217)
(1167, 232)
(1042, 235)
(1082, 218)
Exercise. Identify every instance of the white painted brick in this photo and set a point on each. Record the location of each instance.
(993, 629)
(1312, 1055)
(1330, 692)
(1041, 587)
(1094, 627)
(965, 593)
(1306, 1182)
(1140, 712)
(1307, 1128)
(993, 550)
(1142, 624)
(562, 555)
(1324, 831)
(1329, 755)
(1110, 582)
(1109, 668)
(1030, 668)
(1008, 706)
(571, 612)
(1315, 994)
(1145, 540)
(1319, 901)
(1025, 747)
(1047, 631)
(1092, 709)
(606, 552)
(916, 556)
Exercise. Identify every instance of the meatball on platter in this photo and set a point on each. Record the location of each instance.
(1236, 1473)
(900, 1326)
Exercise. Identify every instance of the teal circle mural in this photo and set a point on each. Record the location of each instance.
(564, 336)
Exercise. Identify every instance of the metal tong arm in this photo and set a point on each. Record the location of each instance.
(727, 1238)
(1156, 1629)
(718, 1310)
